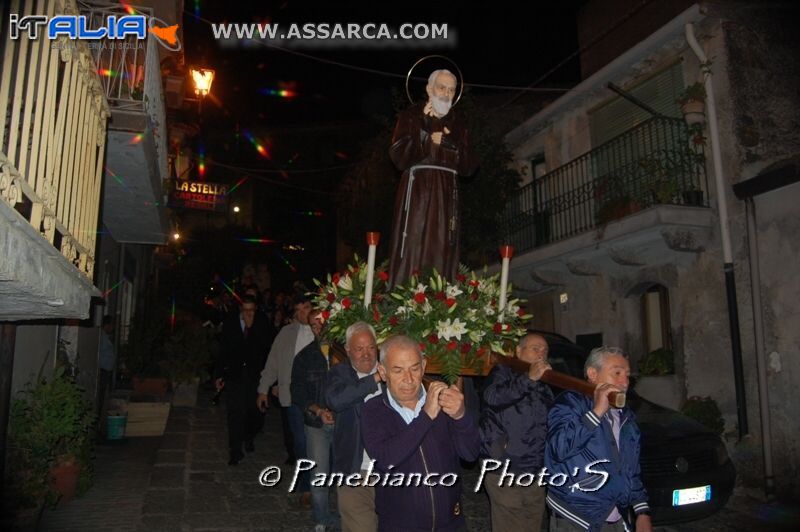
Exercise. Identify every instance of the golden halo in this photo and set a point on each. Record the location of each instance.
(460, 79)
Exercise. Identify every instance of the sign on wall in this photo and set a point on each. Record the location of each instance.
(200, 195)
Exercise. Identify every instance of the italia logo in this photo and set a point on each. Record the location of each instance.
(77, 27)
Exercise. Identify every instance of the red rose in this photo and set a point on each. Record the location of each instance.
(330, 297)
(461, 278)
(474, 296)
(420, 297)
(521, 312)
(450, 302)
(433, 339)
(452, 345)
(440, 296)
(393, 321)
(335, 278)
(325, 315)
(376, 315)
(422, 347)
(480, 352)
(466, 348)
(383, 276)
(346, 303)
(473, 283)
(498, 327)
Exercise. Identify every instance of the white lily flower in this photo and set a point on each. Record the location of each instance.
(345, 283)
(453, 291)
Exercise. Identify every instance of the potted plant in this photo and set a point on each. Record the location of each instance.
(614, 200)
(50, 436)
(693, 101)
(705, 411)
(660, 361)
(188, 354)
(143, 354)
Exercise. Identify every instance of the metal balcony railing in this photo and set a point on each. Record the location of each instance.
(52, 136)
(121, 63)
(130, 71)
(660, 161)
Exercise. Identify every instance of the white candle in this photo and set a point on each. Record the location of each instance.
(372, 241)
(506, 252)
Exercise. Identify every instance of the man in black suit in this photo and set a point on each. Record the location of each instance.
(245, 343)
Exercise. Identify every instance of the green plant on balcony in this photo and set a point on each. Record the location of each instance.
(696, 92)
(614, 200)
(692, 101)
(664, 179)
(658, 362)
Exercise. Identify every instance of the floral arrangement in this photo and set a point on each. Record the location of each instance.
(341, 299)
(456, 323)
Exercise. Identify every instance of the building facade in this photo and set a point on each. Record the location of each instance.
(628, 220)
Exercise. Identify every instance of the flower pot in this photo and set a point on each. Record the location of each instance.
(150, 386)
(664, 390)
(694, 112)
(185, 393)
(63, 480)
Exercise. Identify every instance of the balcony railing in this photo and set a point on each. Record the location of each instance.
(52, 136)
(121, 63)
(659, 161)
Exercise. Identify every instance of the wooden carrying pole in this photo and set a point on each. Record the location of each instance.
(561, 380)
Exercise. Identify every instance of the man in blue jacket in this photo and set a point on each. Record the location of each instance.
(595, 450)
(416, 438)
(513, 433)
(309, 373)
(349, 385)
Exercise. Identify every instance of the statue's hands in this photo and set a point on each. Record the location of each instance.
(428, 109)
(436, 137)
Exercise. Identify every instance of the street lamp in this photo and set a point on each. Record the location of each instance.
(202, 78)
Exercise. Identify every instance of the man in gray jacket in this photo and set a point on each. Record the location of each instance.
(291, 340)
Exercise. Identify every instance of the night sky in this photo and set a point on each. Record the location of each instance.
(509, 44)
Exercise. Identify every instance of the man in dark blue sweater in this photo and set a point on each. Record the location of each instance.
(417, 438)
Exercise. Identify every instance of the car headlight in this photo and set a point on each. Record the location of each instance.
(722, 453)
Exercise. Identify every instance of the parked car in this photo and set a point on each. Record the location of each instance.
(685, 466)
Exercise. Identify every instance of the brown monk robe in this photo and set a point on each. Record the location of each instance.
(432, 238)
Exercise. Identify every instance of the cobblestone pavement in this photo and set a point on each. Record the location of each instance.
(114, 502)
(181, 482)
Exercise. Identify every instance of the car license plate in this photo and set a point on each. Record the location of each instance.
(691, 495)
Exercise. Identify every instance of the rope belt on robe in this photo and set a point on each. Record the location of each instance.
(407, 206)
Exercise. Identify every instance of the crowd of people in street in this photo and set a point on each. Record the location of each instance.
(372, 418)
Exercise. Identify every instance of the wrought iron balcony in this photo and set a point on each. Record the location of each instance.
(660, 161)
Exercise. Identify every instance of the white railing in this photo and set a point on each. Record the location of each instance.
(123, 64)
(52, 136)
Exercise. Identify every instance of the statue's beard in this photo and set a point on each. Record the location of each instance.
(441, 106)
